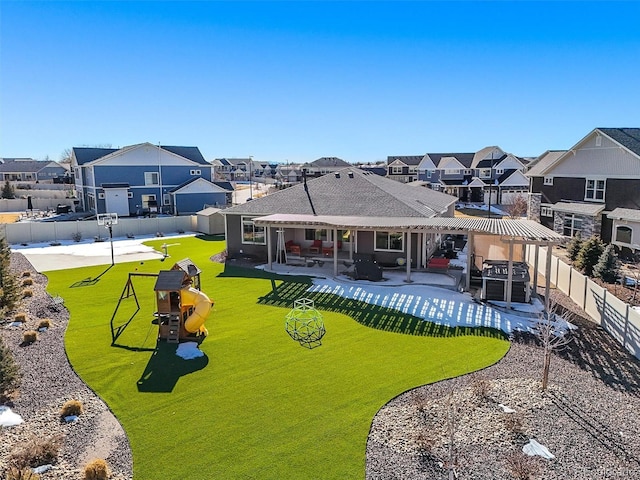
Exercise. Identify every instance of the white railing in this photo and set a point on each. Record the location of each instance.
(620, 320)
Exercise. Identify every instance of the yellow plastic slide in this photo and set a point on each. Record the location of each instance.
(201, 307)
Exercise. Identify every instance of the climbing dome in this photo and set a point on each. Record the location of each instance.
(304, 323)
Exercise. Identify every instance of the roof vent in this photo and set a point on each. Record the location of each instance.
(350, 174)
(337, 174)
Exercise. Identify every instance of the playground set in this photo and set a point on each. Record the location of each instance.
(182, 308)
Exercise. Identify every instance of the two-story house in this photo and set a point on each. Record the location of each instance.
(323, 166)
(145, 178)
(577, 190)
(403, 168)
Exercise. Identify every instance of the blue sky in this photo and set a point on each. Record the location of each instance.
(295, 81)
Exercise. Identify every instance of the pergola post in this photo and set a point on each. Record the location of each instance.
(408, 279)
(269, 249)
(509, 274)
(470, 262)
(547, 276)
(335, 252)
(536, 259)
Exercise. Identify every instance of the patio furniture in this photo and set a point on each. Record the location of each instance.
(316, 246)
(366, 268)
(295, 249)
(288, 244)
(327, 250)
(438, 263)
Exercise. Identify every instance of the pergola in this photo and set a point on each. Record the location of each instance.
(510, 231)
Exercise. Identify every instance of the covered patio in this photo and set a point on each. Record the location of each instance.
(508, 232)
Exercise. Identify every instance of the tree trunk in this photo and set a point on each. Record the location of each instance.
(545, 369)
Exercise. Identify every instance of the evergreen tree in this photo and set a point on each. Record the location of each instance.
(8, 191)
(589, 255)
(574, 246)
(607, 267)
(9, 288)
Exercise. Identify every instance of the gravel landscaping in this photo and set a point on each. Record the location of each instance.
(588, 417)
(48, 381)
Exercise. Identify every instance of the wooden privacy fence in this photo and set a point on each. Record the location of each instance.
(38, 232)
(620, 320)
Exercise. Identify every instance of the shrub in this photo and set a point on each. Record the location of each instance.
(481, 387)
(574, 246)
(76, 237)
(71, 407)
(37, 451)
(522, 466)
(27, 293)
(513, 422)
(589, 255)
(607, 267)
(20, 317)
(29, 337)
(45, 323)
(27, 282)
(96, 470)
(21, 474)
(9, 371)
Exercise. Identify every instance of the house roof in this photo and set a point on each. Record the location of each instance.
(169, 280)
(205, 185)
(627, 137)
(591, 209)
(464, 158)
(207, 212)
(625, 214)
(88, 154)
(33, 166)
(525, 229)
(490, 162)
(187, 266)
(541, 163)
(329, 162)
(350, 191)
(406, 159)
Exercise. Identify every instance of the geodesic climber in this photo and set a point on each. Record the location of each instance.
(304, 323)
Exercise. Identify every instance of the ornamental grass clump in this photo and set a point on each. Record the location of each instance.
(27, 282)
(96, 470)
(37, 451)
(26, 473)
(29, 337)
(71, 407)
(27, 293)
(26, 273)
(20, 317)
(45, 323)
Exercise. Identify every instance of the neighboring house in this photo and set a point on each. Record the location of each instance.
(323, 166)
(32, 171)
(577, 191)
(451, 173)
(144, 178)
(349, 193)
(234, 169)
(625, 229)
(403, 168)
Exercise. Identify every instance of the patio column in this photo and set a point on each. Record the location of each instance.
(510, 274)
(547, 276)
(408, 279)
(469, 261)
(536, 258)
(269, 249)
(335, 252)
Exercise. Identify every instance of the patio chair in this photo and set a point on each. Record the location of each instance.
(316, 246)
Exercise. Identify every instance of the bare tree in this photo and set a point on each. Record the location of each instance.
(518, 208)
(553, 335)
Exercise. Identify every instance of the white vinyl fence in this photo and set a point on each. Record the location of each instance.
(620, 320)
(38, 232)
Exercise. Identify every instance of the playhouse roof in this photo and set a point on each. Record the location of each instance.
(169, 280)
(188, 267)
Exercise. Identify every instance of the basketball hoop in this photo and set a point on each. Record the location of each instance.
(108, 220)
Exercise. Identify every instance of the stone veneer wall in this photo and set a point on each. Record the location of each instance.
(591, 226)
(533, 212)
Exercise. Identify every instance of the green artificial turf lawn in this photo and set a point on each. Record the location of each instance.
(258, 405)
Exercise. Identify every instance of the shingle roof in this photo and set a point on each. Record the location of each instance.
(539, 165)
(579, 208)
(350, 191)
(625, 214)
(627, 137)
(33, 166)
(490, 162)
(329, 162)
(89, 154)
(191, 153)
(464, 158)
(406, 159)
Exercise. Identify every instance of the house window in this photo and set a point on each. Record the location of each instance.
(129, 194)
(313, 234)
(396, 170)
(598, 141)
(499, 171)
(572, 225)
(148, 199)
(546, 212)
(166, 199)
(429, 173)
(413, 169)
(252, 233)
(468, 172)
(485, 173)
(452, 171)
(91, 201)
(151, 178)
(623, 234)
(548, 180)
(194, 172)
(390, 241)
(101, 195)
(595, 190)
